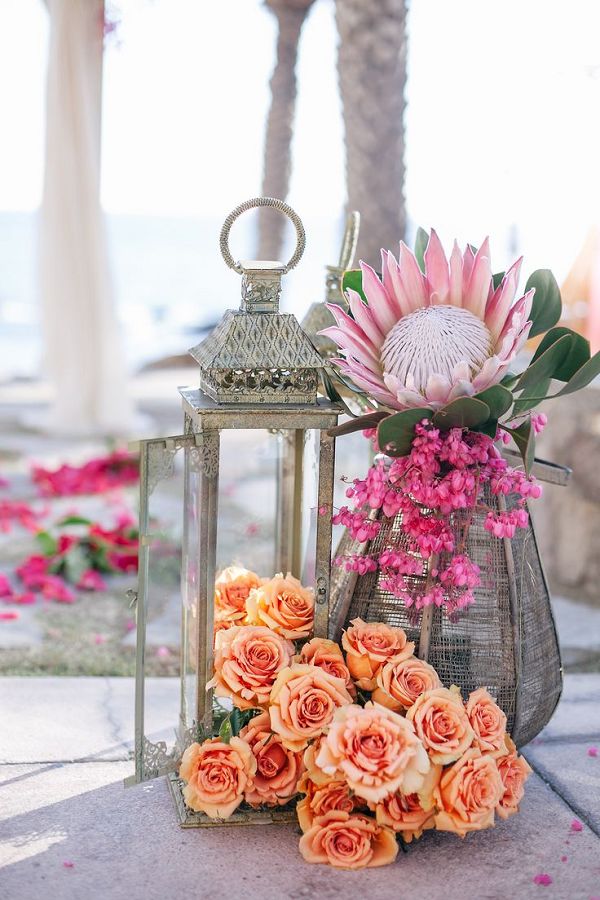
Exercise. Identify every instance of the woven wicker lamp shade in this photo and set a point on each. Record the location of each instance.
(506, 641)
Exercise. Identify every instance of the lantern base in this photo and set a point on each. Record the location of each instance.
(247, 816)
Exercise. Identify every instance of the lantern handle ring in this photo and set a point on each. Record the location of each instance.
(256, 202)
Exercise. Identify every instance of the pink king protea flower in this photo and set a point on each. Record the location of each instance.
(426, 339)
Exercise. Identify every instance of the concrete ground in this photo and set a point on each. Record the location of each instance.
(69, 829)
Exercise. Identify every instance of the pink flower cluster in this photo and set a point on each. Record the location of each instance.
(436, 489)
(98, 475)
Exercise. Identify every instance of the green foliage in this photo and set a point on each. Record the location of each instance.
(577, 355)
(395, 433)
(465, 412)
(48, 544)
(547, 304)
(498, 398)
(524, 438)
(352, 280)
(74, 520)
(360, 423)
(233, 723)
(497, 278)
(544, 366)
(421, 241)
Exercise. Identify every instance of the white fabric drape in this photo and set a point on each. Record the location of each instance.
(83, 354)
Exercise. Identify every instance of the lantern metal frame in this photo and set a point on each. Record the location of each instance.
(258, 371)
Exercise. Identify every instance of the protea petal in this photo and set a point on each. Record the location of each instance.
(500, 303)
(354, 346)
(468, 260)
(436, 268)
(393, 283)
(412, 278)
(456, 276)
(364, 318)
(487, 374)
(480, 282)
(383, 308)
(462, 388)
(518, 315)
(438, 389)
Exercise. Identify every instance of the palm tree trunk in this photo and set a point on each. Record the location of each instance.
(278, 139)
(372, 76)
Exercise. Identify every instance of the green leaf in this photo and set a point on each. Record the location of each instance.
(524, 438)
(577, 356)
(421, 241)
(545, 366)
(75, 564)
(238, 718)
(490, 428)
(226, 731)
(74, 520)
(497, 278)
(509, 380)
(396, 433)
(583, 377)
(547, 304)
(352, 280)
(48, 544)
(359, 423)
(465, 412)
(524, 404)
(498, 398)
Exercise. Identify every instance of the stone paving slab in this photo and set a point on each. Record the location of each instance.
(62, 719)
(578, 712)
(574, 774)
(124, 844)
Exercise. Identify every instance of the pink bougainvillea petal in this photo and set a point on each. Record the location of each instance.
(542, 878)
(576, 825)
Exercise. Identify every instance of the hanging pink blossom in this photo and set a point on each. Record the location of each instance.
(443, 474)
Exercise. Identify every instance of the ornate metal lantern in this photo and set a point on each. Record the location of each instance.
(259, 374)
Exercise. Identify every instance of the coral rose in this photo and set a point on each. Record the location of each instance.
(321, 799)
(217, 776)
(303, 701)
(468, 793)
(375, 750)
(328, 656)
(487, 721)
(277, 768)
(248, 659)
(399, 683)
(442, 724)
(232, 588)
(348, 842)
(369, 645)
(283, 605)
(514, 772)
(404, 814)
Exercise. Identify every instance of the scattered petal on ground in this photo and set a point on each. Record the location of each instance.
(68, 864)
(564, 858)
(7, 615)
(592, 751)
(543, 878)
(576, 825)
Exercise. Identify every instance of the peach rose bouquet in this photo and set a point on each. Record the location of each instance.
(362, 740)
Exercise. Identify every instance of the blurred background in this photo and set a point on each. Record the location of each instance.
(131, 129)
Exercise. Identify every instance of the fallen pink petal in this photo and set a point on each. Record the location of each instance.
(9, 615)
(68, 864)
(543, 878)
(592, 751)
(576, 825)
